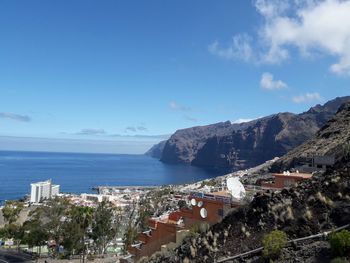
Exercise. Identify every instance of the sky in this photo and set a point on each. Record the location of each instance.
(120, 76)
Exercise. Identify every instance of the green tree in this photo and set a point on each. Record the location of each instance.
(80, 222)
(105, 226)
(53, 217)
(131, 230)
(273, 244)
(72, 238)
(340, 242)
(34, 233)
(11, 211)
(13, 231)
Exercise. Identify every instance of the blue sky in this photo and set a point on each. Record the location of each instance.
(117, 73)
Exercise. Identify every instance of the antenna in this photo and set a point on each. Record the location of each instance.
(235, 187)
(203, 213)
(193, 202)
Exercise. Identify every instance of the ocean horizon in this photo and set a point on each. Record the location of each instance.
(80, 172)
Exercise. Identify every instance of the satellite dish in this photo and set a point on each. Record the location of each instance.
(203, 213)
(200, 204)
(193, 202)
(235, 187)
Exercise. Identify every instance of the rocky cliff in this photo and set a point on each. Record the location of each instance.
(330, 140)
(156, 150)
(313, 206)
(226, 146)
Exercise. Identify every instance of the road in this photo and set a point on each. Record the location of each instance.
(12, 256)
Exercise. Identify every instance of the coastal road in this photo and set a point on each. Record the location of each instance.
(12, 256)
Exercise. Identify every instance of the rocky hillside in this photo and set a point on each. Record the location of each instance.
(313, 206)
(329, 140)
(226, 147)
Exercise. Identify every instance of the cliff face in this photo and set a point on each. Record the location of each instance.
(225, 146)
(156, 150)
(313, 206)
(329, 140)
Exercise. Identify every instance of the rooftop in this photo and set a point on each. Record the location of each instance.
(42, 183)
(221, 193)
(300, 175)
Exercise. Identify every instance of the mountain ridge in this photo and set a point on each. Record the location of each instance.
(227, 146)
(308, 208)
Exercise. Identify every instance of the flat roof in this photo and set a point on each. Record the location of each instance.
(41, 183)
(301, 175)
(221, 193)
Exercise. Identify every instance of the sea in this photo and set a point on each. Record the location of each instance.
(80, 172)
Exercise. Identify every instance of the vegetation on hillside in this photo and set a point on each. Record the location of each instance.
(68, 229)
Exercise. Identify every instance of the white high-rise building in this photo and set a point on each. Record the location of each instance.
(43, 190)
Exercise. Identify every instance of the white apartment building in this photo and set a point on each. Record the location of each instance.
(43, 190)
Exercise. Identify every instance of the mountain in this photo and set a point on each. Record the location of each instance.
(227, 146)
(156, 150)
(330, 140)
(313, 206)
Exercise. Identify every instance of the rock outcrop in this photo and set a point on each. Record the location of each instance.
(227, 147)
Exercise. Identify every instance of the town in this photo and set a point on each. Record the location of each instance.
(159, 218)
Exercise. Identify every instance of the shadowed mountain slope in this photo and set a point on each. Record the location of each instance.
(313, 206)
(226, 147)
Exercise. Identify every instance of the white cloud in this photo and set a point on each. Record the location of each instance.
(185, 109)
(177, 107)
(239, 48)
(310, 26)
(243, 120)
(267, 82)
(13, 116)
(130, 128)
(142, 136)
(91, 131)
(136, 128)
(306, 98)
(190, 118)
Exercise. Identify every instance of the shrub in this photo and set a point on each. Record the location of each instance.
(346, 150)
(340, 243)
(339, 260)
(197, 229)
(273, 244)
(182, 204)
(211, 182)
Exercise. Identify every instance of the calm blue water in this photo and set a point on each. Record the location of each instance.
(78, 173)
